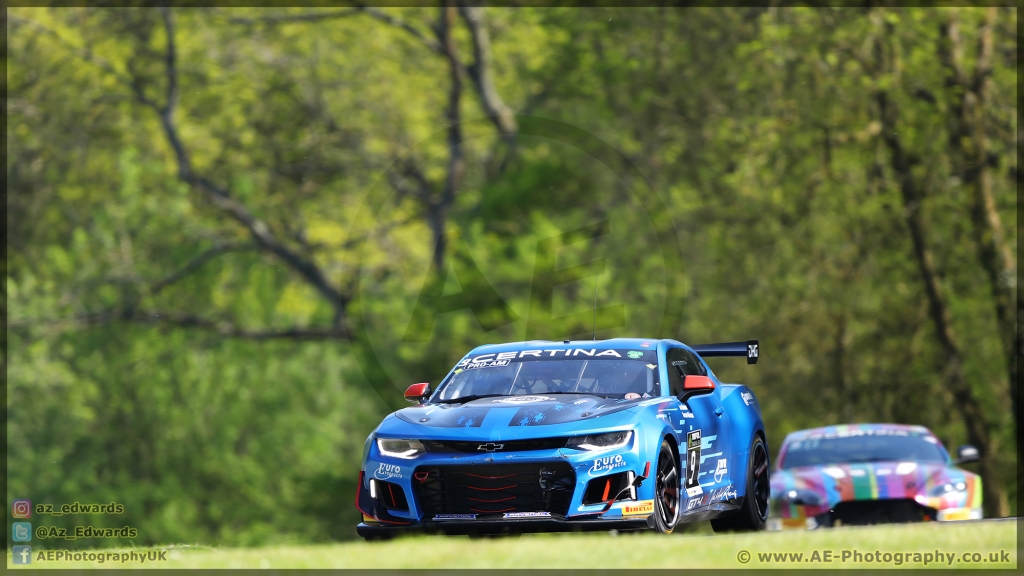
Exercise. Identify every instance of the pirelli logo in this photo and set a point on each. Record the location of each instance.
(642, 508)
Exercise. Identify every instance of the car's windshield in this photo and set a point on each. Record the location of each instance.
(862, 446)
(608, 373)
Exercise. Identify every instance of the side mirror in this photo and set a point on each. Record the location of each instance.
(417, 392)
(694, 383)
(965, 454)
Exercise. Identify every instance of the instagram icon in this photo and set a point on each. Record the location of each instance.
(21, 509)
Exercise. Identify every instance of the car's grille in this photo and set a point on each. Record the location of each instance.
(391, 495)
(494, 489)
(497, 446)
(864, 512)
(601, 490)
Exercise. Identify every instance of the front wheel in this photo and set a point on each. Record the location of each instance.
(666, 491)
(754, 510)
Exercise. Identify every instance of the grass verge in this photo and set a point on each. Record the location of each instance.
(963, 545)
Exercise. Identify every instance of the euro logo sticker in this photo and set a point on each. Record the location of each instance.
(607, 463)
(387, 471)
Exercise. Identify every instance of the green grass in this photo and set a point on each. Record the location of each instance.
(607, 550)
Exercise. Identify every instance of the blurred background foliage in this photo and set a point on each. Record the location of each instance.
(216, 246)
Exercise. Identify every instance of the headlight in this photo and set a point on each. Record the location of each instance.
(948, 488)
(600, 441)
(399, 448)
(802, 497)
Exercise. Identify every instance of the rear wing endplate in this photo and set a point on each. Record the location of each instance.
(750, 349)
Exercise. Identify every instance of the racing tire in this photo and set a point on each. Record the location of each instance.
(753, 510)
(666, 491)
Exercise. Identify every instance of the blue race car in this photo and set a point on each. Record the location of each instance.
(545, 436)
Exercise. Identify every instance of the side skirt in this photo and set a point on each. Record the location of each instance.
(713, 510)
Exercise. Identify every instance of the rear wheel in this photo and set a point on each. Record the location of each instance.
(666, 491)
(754, 510)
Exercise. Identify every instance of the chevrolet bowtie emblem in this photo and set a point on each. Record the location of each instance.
(490, 447)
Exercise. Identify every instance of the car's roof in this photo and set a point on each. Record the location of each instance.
(612, 343)
(841, 430)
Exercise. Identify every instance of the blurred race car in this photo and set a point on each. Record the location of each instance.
(870, 474)
(549, 436)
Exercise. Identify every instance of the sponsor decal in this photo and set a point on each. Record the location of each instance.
(695, 491)
(694, 503)
(955, 514)
(527, 515)
(794, 523)
(751, 350)
(369, 518)
(522, 399)
(488, 364)
(747, 397)
(641, 508)
(607, 463)
(634, 354)
(645, 345)
(853, 433)
(693, 446)
(721, 470)
(386, 471)
(503, 358)
(727, 493)
(442, 517)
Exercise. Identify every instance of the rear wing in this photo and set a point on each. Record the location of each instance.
(750, 349)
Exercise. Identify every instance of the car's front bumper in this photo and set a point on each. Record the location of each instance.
(431, 499)
(862, 512)
(372, 529)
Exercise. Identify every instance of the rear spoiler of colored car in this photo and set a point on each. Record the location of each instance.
(750, 349)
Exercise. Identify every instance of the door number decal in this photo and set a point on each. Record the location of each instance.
(692, 463)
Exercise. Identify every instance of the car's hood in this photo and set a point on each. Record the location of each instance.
(877, 480)
(515, 415)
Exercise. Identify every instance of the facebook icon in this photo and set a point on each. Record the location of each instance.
(21, 554)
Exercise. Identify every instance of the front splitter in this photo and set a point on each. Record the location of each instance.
(497, 527)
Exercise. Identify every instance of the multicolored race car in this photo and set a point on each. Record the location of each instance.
(550, 436)
(870, 474)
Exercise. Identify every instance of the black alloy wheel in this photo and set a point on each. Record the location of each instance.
(666, 490)
(754, 509)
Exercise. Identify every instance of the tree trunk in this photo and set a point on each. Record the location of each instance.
(969, 152)
(954, 377)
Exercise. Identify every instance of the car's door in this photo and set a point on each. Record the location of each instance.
(706, 460)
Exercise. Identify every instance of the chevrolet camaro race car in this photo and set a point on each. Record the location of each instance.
(870, 474)
(552, 436)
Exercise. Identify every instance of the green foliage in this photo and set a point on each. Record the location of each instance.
(709, 174)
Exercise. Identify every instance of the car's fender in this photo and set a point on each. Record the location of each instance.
(745, 418)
